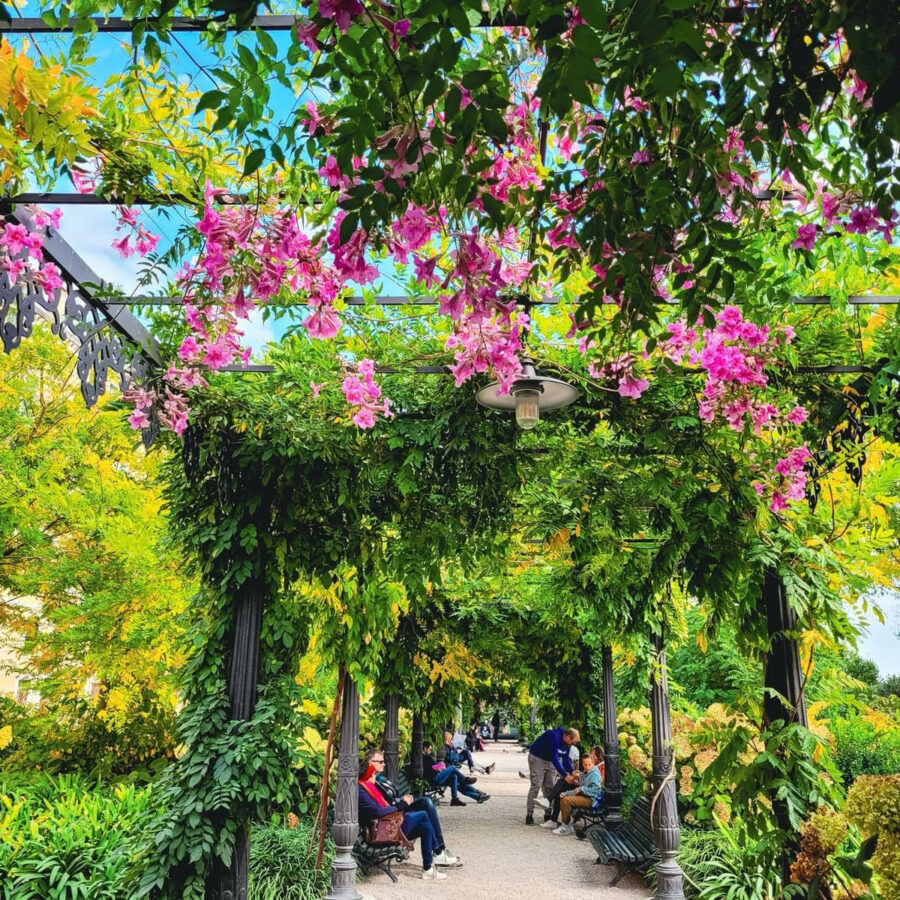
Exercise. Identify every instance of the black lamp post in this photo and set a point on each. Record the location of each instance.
(529, 395)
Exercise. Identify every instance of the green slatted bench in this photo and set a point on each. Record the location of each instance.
(631, 846)
(368, 857)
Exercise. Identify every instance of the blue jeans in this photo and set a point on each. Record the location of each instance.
(452, 776)
(462, 756)
(418, 825)
(426, 805)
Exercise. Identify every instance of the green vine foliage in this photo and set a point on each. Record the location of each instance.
(264, 495)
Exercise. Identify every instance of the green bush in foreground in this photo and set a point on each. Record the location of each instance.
(65, 838)
(282, 864)
(59, 839)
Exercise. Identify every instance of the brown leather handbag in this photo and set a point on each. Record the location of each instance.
(388, 830)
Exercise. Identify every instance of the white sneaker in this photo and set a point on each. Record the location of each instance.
(564, 830)
(432, 874)
(446, 859)
(542, 803)
(549, 823)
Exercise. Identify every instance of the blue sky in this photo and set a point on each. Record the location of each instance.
(880, 642)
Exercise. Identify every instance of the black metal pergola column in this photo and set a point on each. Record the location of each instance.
(346, 804)
(783, 678)
(613, 780)
(231, 882)
(418, 739)
(437, 737)
(392, 736)
(664, 805)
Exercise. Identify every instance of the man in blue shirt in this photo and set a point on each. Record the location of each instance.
(548, 757)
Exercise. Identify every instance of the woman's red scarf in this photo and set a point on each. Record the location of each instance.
(373, 792)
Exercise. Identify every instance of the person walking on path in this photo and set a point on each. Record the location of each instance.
(548, 757)
(495, 722)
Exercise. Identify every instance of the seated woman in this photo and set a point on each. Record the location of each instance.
(457, 757)
(599, 761)
(450, 775)
(416, 823)
(589, 789)
(473, 740)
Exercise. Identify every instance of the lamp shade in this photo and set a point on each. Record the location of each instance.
(552, 393)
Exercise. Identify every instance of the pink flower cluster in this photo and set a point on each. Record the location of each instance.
(22, 252)
(144, 241)
(621, 371)
(341, 11)
(363, 395)
(790, 483)
(832, 207)
(734, 354)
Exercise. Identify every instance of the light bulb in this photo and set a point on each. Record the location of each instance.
(528, 408)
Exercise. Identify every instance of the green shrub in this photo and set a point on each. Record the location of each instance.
(722, 862)
(634, 785)
(61, 840)
(861, 748)
(282, 863)
(75, 735)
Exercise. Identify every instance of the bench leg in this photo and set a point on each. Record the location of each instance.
(621, 872)
(388, 871)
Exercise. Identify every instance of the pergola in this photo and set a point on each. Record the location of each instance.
(111, 339)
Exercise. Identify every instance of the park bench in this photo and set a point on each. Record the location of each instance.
(595, 814)
(368, 857)
(631, 846)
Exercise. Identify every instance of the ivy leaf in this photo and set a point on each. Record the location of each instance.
(254, 160)
(210, 100)
(477, 79)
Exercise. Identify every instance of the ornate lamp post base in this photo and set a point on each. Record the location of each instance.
(346, 804)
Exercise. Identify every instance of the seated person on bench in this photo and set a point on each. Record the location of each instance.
(589, 789)
(416, 823)
(599, 761)
(457, 757)
(450, 775)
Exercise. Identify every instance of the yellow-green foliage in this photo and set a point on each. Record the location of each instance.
(873, 805)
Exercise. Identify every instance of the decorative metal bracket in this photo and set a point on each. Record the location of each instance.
(105, 340)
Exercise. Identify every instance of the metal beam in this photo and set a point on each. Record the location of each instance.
(106, 340)
(118, 25)
(73, 198)
(386, 300)
(265, 369)
(397, 300)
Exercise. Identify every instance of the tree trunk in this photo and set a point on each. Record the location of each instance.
(782, 673)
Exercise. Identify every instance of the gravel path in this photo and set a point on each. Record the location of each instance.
(502, 856)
